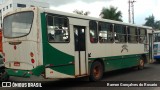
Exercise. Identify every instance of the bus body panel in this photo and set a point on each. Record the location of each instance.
(57, 57)
(18, 51)
(66, 61)
(15, 58)
(115, 57)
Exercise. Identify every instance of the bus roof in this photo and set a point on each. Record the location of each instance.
(91, 18)
(156, 31)
(78, 16)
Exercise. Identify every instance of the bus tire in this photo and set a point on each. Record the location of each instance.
(4, 77)
(141, 64)
(96, 71)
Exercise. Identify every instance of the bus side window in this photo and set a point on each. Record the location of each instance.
(58, 29)
(142, 36)
(93, 31)
(50, 28)
(105, 32)
(120, 33)
(132, 35)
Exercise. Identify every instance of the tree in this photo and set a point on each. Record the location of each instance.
(157, 24)
(111, 13)
(81, 12)
(150, 21)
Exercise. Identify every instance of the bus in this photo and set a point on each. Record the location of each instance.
(156, 45)
(55, 44)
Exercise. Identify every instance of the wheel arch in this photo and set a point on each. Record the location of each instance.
(144, 57)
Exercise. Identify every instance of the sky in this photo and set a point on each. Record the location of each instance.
(142, 8)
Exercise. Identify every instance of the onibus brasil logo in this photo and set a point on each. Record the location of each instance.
(18, 84)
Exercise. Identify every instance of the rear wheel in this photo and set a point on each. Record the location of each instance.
(141, 64)
(4, 76)
(96, 71)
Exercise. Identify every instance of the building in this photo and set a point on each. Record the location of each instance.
(9, 5)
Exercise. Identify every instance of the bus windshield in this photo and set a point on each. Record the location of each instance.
(18, 25)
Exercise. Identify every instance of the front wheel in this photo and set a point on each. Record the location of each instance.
(96, 71)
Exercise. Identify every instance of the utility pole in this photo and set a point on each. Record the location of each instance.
(129, 11)
(131, 5)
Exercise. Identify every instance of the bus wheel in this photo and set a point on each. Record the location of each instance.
(4, 76)
(96, 71)
(141, 64)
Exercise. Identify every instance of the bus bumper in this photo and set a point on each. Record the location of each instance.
(26, 73)
(19, 73)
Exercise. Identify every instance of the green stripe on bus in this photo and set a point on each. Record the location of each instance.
(52, 55)
(119, 62)
(19, 73)
(24, 73)
(118, 57)
(66, 69)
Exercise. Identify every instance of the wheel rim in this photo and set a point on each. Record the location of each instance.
(97, 71)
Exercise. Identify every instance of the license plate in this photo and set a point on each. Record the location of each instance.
(16, 63)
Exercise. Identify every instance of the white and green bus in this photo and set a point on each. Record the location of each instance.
(54, 44)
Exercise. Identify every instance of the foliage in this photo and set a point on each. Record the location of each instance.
(81, 12)
(111, 13)
(150, 21)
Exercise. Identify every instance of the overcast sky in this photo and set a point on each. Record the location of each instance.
(143, 8)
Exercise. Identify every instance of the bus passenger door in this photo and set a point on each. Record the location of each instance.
(80, 50)
(150, 48)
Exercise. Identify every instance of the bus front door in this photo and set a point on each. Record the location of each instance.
(80, 50)
(150, 48)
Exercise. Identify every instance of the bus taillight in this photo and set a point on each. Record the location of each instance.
(32, 60)
(31, 54)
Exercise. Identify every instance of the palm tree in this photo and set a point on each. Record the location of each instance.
(157, 24)
(111, 13)
(81, 12)
(150, 21)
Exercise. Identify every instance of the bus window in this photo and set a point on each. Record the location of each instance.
(142, 36)
(120, 33)
(132, 35)
(93, 31)
(18, 25)
(105, 32)
(156, 37)
(58, 30)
